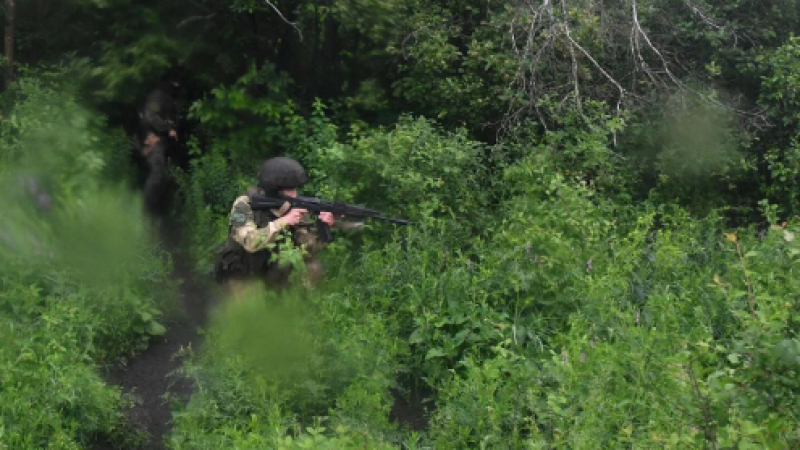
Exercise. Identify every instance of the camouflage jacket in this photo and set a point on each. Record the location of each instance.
(248, 248)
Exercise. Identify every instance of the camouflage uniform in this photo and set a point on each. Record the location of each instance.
(247, 253)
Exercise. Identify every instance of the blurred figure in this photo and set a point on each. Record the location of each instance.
(37, 192)
(159, 141)
(159, 116)
(157, 186)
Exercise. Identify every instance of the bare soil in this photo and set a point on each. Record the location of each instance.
(150, 378)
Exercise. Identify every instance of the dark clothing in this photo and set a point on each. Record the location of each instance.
(159, 116)
(157, 185)
(160, 113)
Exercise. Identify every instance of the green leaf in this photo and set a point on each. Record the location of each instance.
(416, 337)
(156, 329)
(434, 353)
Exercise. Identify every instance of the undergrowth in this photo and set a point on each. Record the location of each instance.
(81, 282)
(540, 305)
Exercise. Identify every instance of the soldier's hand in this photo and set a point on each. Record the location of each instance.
(327, 218)
(150, 141)
(173, 134)
(293, 217)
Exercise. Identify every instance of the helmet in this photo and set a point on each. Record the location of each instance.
(281, 173)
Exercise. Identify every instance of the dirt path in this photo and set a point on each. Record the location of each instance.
(149, 376)
(150, 379)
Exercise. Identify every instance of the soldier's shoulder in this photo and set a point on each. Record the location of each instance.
(253, 190)
(242, 202)
(241, 211)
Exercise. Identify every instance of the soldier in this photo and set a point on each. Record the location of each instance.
(160, 113)
(159, 136)
(157, 185)
(249, 250)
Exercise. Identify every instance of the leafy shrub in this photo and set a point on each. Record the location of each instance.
(660, 348)
(81, 282)
(780, 97)
(542, 305)
(252, 118)
(275, 362)
(206, 193)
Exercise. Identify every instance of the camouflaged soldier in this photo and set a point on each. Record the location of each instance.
(248, 252)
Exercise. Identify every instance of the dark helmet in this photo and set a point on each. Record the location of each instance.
(172, 81)
(281, 173)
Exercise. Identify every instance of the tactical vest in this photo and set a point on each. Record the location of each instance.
(233, 261)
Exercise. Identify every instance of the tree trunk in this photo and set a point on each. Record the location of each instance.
(9, 43)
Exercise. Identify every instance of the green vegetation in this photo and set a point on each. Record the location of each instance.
(81, 282)
(604, 198)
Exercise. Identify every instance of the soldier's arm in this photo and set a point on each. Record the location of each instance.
(152, 120)
(244, 229)
(157, 115)
(330, 219)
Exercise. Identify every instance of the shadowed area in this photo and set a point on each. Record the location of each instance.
(152, 377)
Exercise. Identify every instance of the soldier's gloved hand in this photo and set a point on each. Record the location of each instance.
(327, 218)
(293, 217)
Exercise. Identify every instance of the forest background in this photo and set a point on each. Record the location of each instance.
(604, 196)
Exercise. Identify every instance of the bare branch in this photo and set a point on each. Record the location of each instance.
(194, 19)
(411, 35)
(702, 15)
(708, 21)
(538, 32)
(672, 77)
(599, 67)
(572, 56)
(293, 24)
(639, 29)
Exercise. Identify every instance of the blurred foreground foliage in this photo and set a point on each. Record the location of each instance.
(82, 283)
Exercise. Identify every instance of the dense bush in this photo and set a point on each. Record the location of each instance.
(82, 284)
(568, 318)
(279, 369)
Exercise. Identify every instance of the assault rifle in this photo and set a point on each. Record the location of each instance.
(316, 205)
